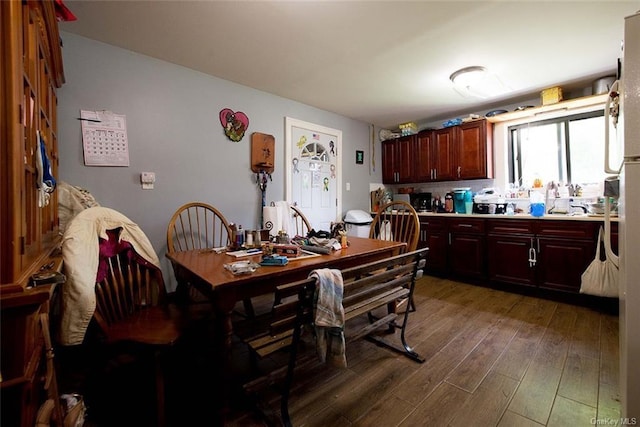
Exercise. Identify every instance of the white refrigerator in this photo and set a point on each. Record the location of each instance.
(628, 143)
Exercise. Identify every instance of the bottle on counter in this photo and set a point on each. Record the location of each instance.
(437, 204)
(239, 237)
(448, 203)
(233, 237)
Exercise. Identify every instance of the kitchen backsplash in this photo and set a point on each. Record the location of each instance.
(441, 188)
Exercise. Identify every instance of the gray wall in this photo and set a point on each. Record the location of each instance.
(174, 131)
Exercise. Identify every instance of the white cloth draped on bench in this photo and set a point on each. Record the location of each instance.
(329, 316)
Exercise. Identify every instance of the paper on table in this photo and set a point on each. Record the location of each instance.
(245, 252)
(217, 250)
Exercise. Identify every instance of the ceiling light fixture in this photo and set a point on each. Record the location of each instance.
(477, 82)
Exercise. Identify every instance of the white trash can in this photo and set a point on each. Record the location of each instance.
(357, 223)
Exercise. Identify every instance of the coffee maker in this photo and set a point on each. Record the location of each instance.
(421, 202)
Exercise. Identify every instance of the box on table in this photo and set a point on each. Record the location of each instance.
(551, 95)
(290, 251)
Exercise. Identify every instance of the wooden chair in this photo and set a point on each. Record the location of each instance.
(131, 307)
(397, 221)
(366, 288)
(197, 226)
(300, 222)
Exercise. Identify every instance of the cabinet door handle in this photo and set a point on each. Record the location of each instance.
(538, 243)
(532, 255)
(459, 171)
(449, 238)
(465, 225)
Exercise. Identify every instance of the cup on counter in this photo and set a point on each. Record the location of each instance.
(468, 206)
(248, 238)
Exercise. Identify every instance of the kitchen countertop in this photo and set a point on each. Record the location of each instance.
(582, 217)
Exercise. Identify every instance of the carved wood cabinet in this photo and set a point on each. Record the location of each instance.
(32, 70)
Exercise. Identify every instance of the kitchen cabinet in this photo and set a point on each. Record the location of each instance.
(425, 157)
(564, 251)
(443, 154)
(434, 235)
(545, 254)
(474, 150)
(31, 72)
(462, 152)
(466, 252)
(456, 246)
(509, 247)
(527, 252)
(398, 160)
(448, 154)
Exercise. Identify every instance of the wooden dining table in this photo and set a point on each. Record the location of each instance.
(205, 270)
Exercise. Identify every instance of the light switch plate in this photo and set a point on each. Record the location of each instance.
(147, 179)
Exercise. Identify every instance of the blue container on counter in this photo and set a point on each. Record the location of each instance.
(536, 209)
(460, 196)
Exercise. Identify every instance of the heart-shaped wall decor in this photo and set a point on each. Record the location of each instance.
(234, 124)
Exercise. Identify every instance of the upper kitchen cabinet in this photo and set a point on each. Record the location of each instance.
(423, 157)
(398, 160)
(448, 154)
(474, 150)
(31, 73)
(443, 154)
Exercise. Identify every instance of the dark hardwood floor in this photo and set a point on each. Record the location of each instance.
(493, 359)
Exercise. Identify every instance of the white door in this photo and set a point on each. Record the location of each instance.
(314, 169)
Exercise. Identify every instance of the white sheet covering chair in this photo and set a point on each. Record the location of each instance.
(114, 278)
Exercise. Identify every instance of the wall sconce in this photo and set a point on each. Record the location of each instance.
(477, 82)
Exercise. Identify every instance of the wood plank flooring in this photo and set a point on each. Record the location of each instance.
(493, 359)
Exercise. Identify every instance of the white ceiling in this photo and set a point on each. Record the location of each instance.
(382, 62)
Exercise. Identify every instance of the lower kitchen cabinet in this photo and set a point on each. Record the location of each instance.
(467, 248)
(511, 251)
(434, 235)
(561, 262)
(564, 251)
(508, 259)
(540, 253)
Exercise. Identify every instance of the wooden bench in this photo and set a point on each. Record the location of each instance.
(366, 288)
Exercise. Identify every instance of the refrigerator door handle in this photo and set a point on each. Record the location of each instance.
(613, 93)
(607, 234)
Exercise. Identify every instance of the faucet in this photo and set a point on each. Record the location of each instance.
(551, 186)
(583, 207)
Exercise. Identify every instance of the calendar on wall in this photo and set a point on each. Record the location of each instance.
(104, 138)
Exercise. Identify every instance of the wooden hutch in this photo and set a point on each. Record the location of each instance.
(31, 71)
